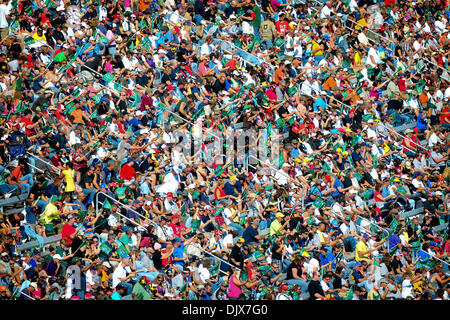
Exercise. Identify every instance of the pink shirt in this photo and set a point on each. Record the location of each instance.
(108, 67)
(233, 291)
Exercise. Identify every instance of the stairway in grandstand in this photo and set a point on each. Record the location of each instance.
(16, 204)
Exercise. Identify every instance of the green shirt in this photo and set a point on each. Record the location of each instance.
(257, 11)
(125, 239)
(140, 292)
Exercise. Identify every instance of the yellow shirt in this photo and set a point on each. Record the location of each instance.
(361, 247)
(358, 59)
(43, 38)
(68, 177)
(361, 23)
(50, 213)
(275, 227)
(316, 46)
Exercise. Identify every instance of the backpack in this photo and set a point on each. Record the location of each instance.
(17, 144)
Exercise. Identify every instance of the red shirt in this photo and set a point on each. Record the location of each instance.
(282, 27)
(127, 172)
(67, 231)
(221, 193)
(446, 115)
(414, 139)
(178, 228)
(27, 122)
(231, 65)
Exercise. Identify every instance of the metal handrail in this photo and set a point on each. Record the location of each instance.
(213, 255)
(46, 161)
(124, 206)
(381, 36)
(434, 257)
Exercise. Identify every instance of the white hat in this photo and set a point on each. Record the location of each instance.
(139, 113)
(34, 285)
(232, 16)
(106, 264)
(57, 256)
(161, 51)
(191, 186)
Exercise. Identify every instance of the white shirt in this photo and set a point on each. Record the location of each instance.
(407, 289)
(170, 184)
(281, 177)
(203, 273)
(73, 138)
(226, 215)
(4, 11)
(325, 12)
(373, 53)
(416, 183)
(119, 273)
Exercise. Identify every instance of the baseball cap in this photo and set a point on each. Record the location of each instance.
(241, 240)
(279, 215)
(157, 246)
(176, 240)
(175, 216)
(57, 256)
(169, 194)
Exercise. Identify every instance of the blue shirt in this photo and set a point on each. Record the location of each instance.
(295, 153)
(337, 184)
(178, 253)
(320, 104)
(134, 123)
(232, 189)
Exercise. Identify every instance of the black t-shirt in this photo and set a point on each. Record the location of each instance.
(337, 282)
(93, 63)
(3, 67)
(289, 274)
(395, 265)
(249, 234)
(236, 254)
(313, 288)
(75, 246)
(275, 254)
(218, 86)
(394, 105)
(157, 261)
(85, 179)
(180, 53)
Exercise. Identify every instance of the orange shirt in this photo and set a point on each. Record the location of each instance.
(279, 75)
(330, 84)
(423, 99)
(77, 116)
(16, 173)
